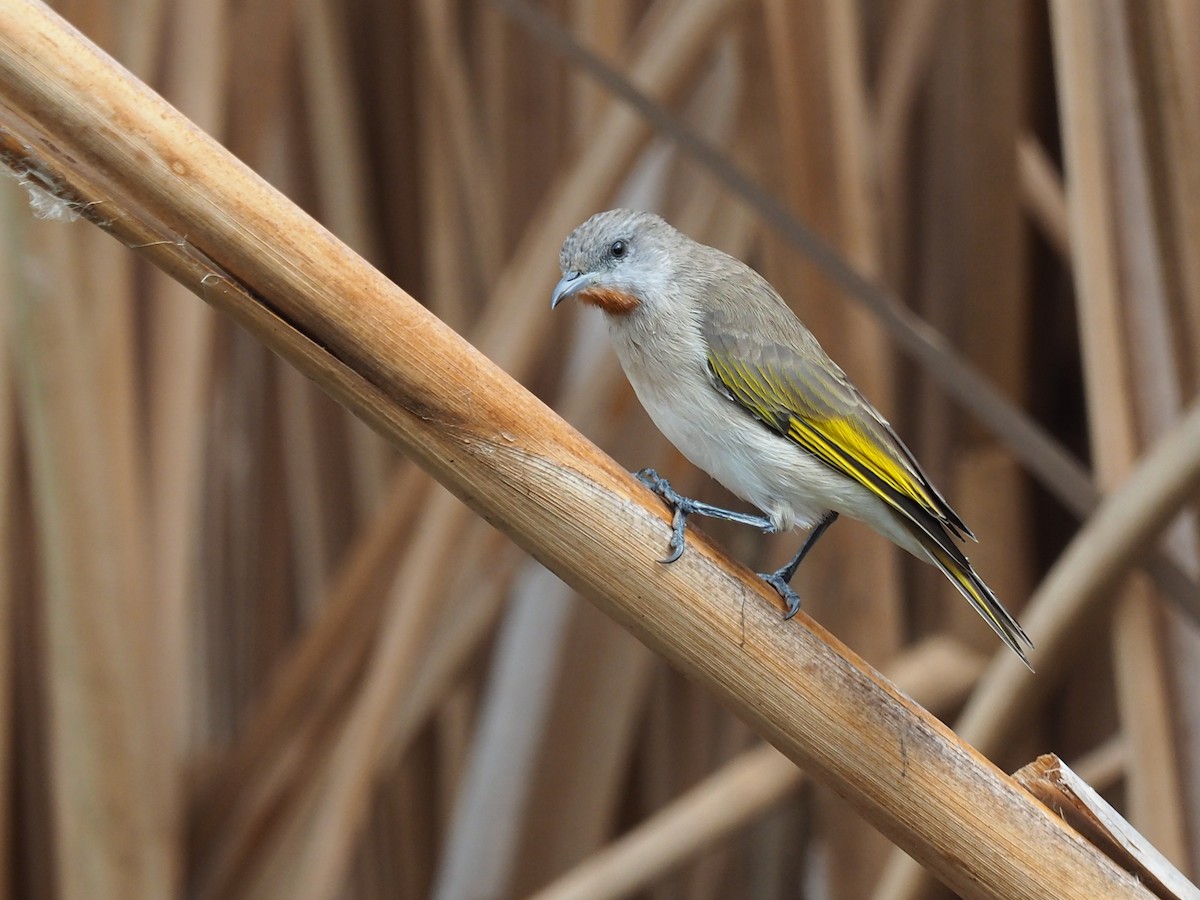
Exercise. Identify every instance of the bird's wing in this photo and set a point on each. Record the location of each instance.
(789, 384)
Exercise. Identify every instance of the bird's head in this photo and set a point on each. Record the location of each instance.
(618, 261)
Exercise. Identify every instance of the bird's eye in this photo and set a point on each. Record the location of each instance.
(618, 249)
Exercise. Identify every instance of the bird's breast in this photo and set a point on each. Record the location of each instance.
(672, 383)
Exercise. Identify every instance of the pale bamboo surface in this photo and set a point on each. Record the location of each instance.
(252, 651)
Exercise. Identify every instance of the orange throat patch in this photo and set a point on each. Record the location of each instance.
(613, 302)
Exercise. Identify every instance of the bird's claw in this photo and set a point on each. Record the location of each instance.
(680, 506)
(678, 533)
(653, 481)
(785, 591)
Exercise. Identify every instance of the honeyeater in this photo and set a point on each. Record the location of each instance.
(737, 383)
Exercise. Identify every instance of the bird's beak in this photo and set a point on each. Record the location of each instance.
(568, 285)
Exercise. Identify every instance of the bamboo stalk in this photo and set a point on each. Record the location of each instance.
(90, 127)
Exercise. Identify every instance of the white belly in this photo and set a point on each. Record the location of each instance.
(756, 464)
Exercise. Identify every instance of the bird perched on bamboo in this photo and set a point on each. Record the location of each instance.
(737, 383)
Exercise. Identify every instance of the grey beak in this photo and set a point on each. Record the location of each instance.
(568, 285)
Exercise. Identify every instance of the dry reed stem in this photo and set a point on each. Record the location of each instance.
(476, 178)
(310, 682)
(259, 41)
(726, 801)
(459, 636)
(340, 157)
(1042, 193)
(591, 713)
(1052, 781)
(12, 213)
(1069, 604)
(985, 292)
(179, 367)
(1078, 32)
(1176, 38)
(337, 136)
(478, 858)
(448, 281)
(1171, 107)
(608, 29)
(780, 35)
(852, 135)
(835, 168)
(141, 30)
(308, 512)
(510, 458)
(97, 670)
(903, 65)
(938, 673)
(593, 721)
(308, 853)
(482, 860)
(332, 792)
(1154, 325)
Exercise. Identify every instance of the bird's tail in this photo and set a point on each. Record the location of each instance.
(958, 569)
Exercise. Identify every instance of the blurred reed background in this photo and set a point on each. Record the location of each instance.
(202, 554)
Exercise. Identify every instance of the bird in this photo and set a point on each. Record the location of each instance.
(744, 391)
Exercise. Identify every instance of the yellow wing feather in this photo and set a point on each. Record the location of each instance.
(837, 440)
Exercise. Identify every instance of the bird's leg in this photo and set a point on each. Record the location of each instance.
(780, 579)
(682, 507)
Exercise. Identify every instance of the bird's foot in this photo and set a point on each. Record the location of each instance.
(681, 507)
(778, 580)
(651, 479)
